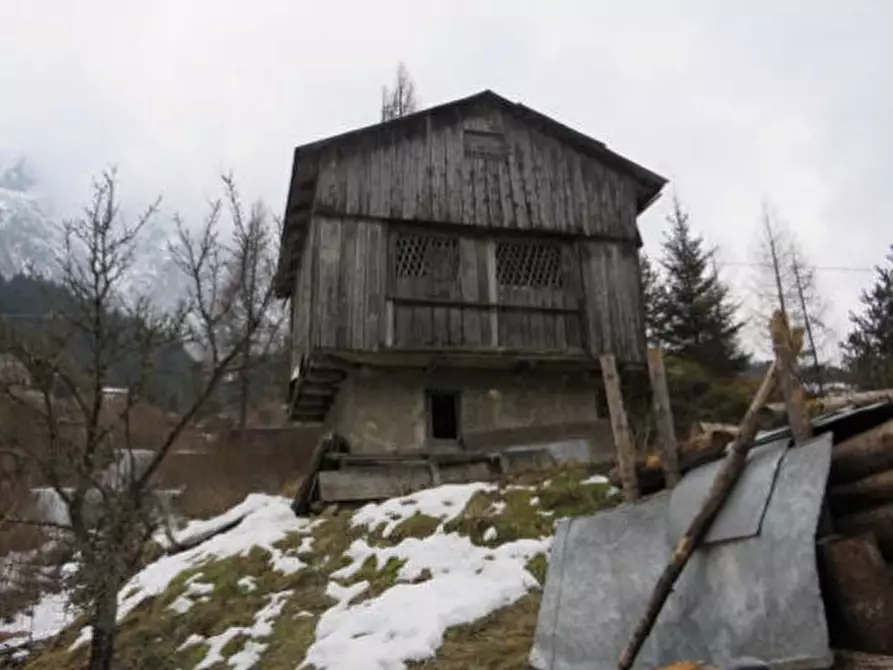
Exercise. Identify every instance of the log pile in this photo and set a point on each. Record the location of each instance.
(855, 534)
(856, 541)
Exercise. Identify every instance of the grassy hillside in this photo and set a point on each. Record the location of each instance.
(443, 579)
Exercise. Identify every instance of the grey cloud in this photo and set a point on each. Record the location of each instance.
(788, 101)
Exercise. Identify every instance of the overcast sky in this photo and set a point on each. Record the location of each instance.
(734, 102)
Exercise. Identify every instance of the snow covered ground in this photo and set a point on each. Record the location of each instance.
(445, 578)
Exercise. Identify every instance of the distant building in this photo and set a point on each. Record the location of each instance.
(14, 372)
(454, 275)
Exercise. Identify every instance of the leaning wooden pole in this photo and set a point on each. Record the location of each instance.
(729, 472)
(626, 450)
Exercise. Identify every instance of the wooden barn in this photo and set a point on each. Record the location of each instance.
(454, 276)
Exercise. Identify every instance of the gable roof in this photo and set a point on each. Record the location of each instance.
(648, 184)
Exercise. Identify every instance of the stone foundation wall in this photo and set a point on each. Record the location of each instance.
(384, 410)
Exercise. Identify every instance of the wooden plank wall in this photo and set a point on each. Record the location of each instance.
(486, 169)
(519, 179)
(359, 305)
(349, 308)
(302, 302)
(614, 316)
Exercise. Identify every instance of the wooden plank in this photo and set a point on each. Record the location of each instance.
(329, 304)
(626, 452)
(492, 291)
(455, 338)
(859, 593)
(666, 432)
(347, 486)
(403, 336)
(389, 323)
(440, 328)
(421, 325)
(349, 294)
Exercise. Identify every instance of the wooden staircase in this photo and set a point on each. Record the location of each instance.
(315, 388)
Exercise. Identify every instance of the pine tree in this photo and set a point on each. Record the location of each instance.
(697, 318)
(652, 290)
(868, 348)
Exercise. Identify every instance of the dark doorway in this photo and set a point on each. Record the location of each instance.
(443, 415)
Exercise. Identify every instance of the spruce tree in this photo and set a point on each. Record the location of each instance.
(868, 348)
(652, 290)
(697, 318)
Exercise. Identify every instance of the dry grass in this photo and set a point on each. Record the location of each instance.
(500, 641)
(218, 473)
(151, 636)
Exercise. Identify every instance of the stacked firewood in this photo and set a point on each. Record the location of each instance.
(856, 547)
(855, 538)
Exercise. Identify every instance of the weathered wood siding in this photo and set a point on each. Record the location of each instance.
(614, 315)
(479, 167)
(475, 312)
(348, 257)
(302, 303)
(475, 176)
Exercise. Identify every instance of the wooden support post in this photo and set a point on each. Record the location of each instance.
(663, 415)
(794, 399)
(626, 452)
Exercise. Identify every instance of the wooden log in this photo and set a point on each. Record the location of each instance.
(863, 455)
(304, 495)
(866, 492)
(626, 452)
(794, 398)
(694, 453)
(857, 590)
(845, 659)
(877, 520)
(666, 432)
(728, 474)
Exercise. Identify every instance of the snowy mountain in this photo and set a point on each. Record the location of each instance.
(31, 236)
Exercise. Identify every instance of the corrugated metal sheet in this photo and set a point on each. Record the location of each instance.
(755, 596)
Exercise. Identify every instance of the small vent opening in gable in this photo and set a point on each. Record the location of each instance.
(529, 264)
(485, 144)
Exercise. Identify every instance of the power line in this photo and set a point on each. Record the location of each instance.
(824, 268)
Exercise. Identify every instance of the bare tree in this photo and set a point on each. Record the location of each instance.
(255, 323)
(400, 100)
(82, 444)
(784, 280)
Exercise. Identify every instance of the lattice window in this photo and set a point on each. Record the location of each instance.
(418, 255)
(529, 264)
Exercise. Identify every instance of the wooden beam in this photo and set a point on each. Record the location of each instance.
(794, 398)
(623, 443)
(663, 414)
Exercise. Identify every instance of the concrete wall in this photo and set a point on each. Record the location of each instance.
(383, 410)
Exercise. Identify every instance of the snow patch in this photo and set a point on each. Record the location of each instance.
(50, 614)
(267, 520)
(250, 654)
(443, 502)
